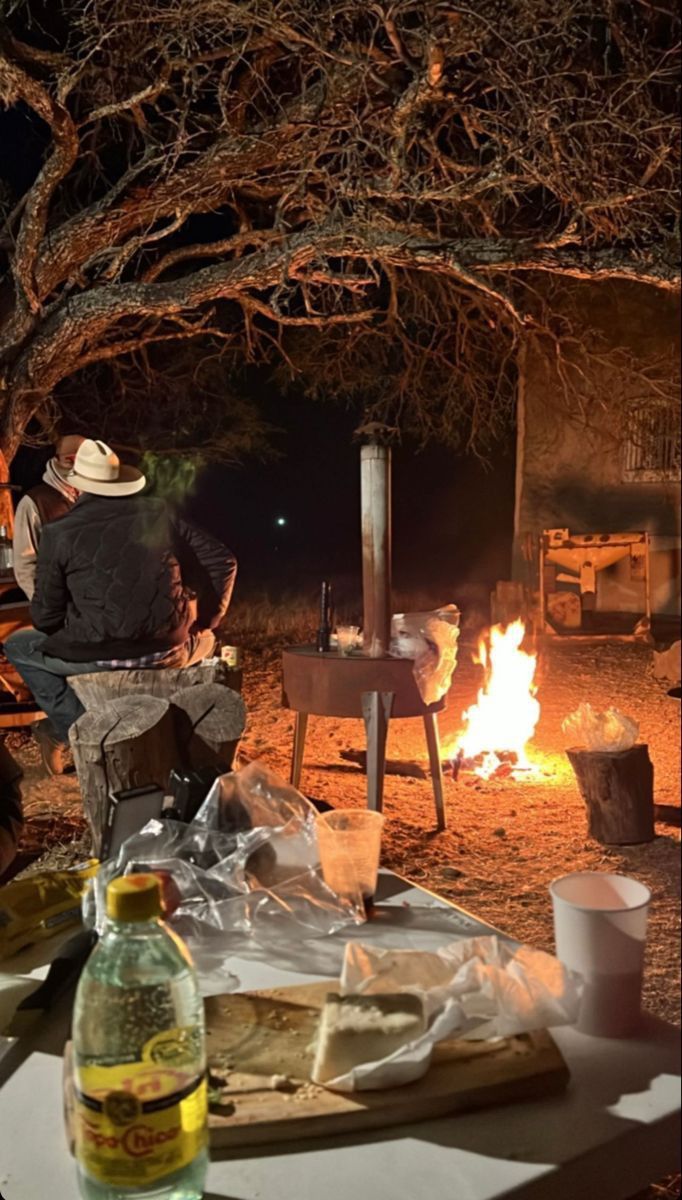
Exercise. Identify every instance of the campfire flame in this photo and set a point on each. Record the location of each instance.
(503, 719)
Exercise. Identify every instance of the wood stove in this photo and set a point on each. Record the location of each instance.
(371, 685)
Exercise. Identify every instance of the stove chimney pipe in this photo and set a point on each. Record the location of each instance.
(375, 500)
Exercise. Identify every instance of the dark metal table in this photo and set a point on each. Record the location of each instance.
(374, 689)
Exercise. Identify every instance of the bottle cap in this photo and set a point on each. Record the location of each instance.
(134, 898)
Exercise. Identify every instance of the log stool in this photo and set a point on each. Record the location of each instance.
(618, 791)
(140, 724)
(100, 686)
(375, 689)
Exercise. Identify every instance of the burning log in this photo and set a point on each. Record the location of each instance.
(618, 791)
(493, 764)
(503, 719)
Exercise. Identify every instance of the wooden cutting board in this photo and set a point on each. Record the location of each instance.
(260, 1046)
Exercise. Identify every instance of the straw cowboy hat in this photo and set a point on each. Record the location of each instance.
(99, 470)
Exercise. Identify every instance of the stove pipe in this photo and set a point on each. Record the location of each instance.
(375, 501)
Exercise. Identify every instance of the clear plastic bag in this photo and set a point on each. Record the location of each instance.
(430, 639)
(245, 870)
(610, 730)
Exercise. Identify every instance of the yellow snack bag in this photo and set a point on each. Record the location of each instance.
(34, 908)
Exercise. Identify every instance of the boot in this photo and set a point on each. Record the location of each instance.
(56, 755)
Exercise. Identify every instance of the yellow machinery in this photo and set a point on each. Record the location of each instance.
(581, 556)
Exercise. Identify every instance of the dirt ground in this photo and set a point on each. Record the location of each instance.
(505, 840)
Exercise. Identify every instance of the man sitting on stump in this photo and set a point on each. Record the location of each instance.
(122, 583)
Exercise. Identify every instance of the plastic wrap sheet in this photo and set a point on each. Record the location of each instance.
(483, 987)
(610, 730)
(430, 639)
(245, 870)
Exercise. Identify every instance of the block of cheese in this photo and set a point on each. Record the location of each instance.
(364, 1029)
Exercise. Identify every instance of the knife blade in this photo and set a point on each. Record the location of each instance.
(64, 970)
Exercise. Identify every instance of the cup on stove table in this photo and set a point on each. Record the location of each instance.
(349, 843)
(600, 931)
(347, 638)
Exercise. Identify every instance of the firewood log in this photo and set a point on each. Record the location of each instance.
(96, 689)
(209, 721)
(127, 742)
(618, 790)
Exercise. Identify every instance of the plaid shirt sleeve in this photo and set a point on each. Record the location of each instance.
(131, 664)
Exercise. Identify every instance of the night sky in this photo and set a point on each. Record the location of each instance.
(452, 518)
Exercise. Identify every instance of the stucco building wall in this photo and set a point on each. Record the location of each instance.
(570, 472)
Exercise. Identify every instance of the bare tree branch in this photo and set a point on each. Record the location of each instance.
(385, 188)
(16, 84)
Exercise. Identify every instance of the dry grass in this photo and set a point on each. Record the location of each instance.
(261, 619)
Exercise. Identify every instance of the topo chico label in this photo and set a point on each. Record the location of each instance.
(137, 1122)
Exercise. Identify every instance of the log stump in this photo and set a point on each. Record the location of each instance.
(209, 722)
(99, 687)
(128, 742)
(129, 737)
(618, 791)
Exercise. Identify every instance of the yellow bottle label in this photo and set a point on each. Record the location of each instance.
(137, 1122)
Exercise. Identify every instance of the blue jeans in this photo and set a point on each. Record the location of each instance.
(46, 676)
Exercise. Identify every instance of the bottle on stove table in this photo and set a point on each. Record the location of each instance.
(324, 631)
(6, 551)
(139, 1057)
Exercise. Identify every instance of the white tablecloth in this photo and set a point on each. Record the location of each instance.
(615, 1129)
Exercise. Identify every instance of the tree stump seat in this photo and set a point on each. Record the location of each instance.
(139, 725)
(618, 791)
(101, 686)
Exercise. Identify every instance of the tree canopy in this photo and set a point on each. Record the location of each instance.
(376, 197)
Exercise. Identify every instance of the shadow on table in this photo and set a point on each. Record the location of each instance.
(502, 1131)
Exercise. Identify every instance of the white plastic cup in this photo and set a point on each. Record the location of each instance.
(347, 638)
(600, 932)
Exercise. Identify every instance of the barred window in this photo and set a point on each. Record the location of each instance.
(652, 446)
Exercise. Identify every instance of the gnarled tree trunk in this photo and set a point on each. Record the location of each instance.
(6, 506)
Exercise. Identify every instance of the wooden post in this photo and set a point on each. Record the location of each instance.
(618, 790)
(127, 743)
(375, 499)
(647, 576)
